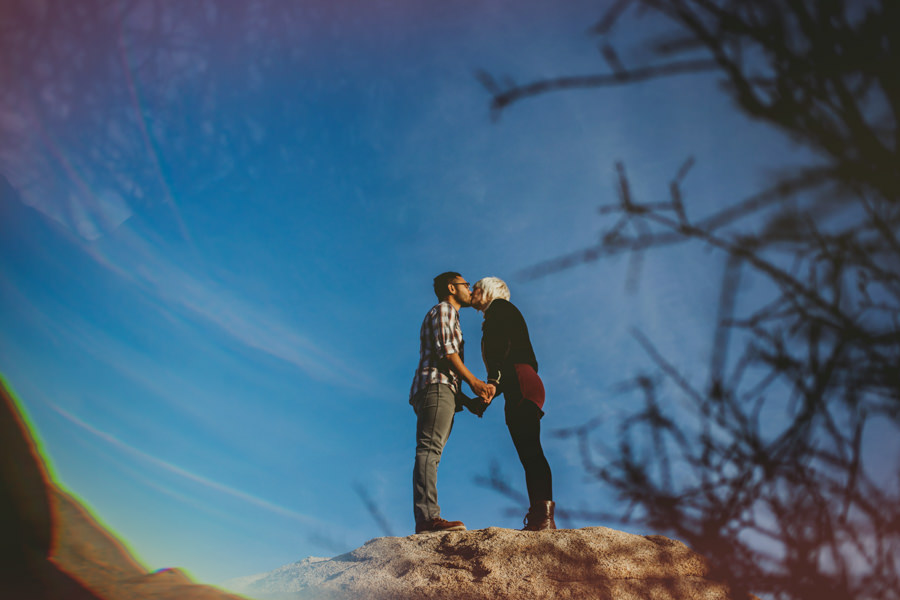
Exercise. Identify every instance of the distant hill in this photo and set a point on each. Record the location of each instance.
(51, 546)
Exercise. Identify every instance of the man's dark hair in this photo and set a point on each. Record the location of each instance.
(442, 281)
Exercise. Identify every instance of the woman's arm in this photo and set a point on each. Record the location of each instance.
(495, 345)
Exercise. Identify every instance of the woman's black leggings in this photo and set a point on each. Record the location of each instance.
(523, 418)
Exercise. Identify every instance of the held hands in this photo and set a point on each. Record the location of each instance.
(485, 390)
(492, 391)
(485, 393)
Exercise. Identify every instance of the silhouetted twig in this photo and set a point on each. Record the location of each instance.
(774, 469)
(373, 509)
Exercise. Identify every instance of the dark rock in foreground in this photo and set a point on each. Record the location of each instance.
(494, 563)
(51, 546)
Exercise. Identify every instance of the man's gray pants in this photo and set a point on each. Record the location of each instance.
(435, 406)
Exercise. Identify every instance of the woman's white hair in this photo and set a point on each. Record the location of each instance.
(492, 288)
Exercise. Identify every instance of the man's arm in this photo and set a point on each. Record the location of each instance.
(485, 390)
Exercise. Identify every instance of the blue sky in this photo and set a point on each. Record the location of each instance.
(217, 261)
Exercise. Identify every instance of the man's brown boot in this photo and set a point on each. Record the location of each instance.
(540, 517)
(439, 524)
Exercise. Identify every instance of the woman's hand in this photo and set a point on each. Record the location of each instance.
(485, 390)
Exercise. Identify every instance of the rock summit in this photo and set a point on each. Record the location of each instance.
(494, 563)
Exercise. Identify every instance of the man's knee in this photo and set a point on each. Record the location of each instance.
(429, 447)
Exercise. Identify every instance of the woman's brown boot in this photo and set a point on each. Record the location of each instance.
(540, 517)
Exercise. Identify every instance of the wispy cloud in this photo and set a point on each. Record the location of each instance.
(195, 296)
(103, 213)
(186, 474)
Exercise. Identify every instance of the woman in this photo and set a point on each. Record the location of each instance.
(512, 368)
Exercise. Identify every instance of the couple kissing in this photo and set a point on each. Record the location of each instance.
(436, 394)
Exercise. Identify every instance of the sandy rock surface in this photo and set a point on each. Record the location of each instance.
(594, 562)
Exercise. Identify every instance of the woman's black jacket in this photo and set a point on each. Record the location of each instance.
(504, 343)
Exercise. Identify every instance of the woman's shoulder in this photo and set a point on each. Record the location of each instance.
(504, 309)
(499, 306)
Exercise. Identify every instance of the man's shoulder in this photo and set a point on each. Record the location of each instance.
(441, 311)
(443, 308)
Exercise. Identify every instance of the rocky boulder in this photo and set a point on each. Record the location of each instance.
(494, 563)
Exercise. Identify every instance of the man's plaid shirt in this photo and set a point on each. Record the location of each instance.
(439, 337)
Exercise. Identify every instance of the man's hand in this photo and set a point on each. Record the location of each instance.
(485, 390)
(492, 391)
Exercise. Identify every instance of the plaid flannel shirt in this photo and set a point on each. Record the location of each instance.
(439, 337)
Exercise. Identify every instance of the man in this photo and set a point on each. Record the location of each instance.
(433, 395)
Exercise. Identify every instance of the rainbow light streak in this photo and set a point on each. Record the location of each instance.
(22, 416)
